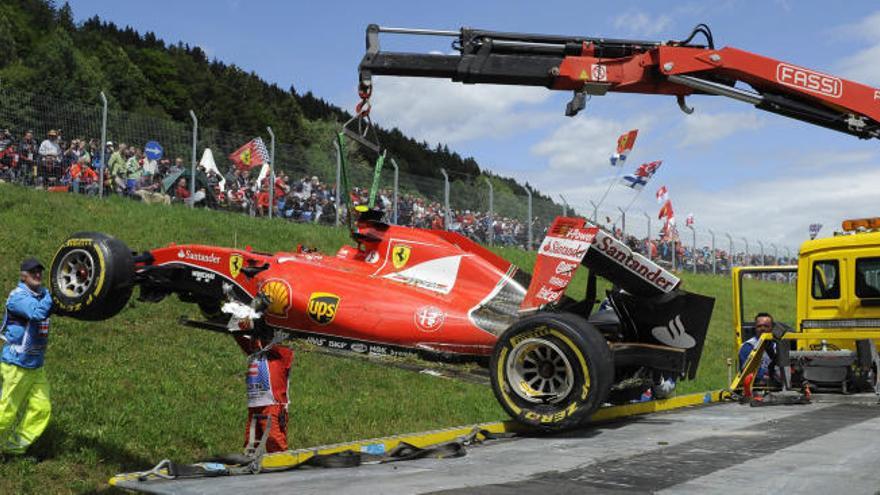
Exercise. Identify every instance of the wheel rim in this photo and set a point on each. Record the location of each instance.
(76, 273)
(538, 371)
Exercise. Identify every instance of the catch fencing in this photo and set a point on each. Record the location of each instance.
(488, 209)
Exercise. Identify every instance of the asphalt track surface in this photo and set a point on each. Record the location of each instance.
(825, 447)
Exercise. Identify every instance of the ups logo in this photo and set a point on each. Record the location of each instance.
(322, 307)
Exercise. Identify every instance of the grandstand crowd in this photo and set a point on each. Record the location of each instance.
(74, 166)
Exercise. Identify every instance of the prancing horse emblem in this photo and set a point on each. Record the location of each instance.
(400, 255)
(235, 263)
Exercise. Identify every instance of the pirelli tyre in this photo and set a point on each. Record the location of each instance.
(551, 371)
(92, 276)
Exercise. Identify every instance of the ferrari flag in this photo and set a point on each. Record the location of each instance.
(662, 195)
(252, 154)
(624, 145)
(666, 211)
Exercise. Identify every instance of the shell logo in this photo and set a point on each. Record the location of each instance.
(279, 294)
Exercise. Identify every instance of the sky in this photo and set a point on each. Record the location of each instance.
(739, 170)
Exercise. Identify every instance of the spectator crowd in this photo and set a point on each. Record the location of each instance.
(56, 164)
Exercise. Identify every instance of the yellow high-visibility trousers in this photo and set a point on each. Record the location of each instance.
(24, 391)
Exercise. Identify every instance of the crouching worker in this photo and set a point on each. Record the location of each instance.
(267, 381)
(25, 328)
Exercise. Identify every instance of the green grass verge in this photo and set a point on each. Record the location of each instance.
(138, 388)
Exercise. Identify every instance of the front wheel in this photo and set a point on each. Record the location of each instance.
(551, 370)
(92, 276)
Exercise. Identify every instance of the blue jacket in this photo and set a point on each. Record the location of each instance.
(744, 352)
(26, 327)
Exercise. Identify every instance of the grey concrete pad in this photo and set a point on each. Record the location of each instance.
(696, 450)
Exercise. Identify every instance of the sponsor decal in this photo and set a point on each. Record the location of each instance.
(358, 347)
(581, 235)
(279, 294)
(429, 318)
(322, 307)
(877, 95)
(599, 72)
(565, 267)
(400, 255)
(558, 282)
(637, 264)
(372, 257)
(203, 277)
(562, 248)
(78, 243)
(548, 294)
(236, 262)
(809, 80)
(437, 275)
(204, 258)
(674, 334)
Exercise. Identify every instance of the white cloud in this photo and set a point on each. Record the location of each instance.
(704, 128)
(862, 66)
(585, 143)
(440, 111)
(633, 22)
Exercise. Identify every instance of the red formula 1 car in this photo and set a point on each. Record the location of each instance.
(437, 295)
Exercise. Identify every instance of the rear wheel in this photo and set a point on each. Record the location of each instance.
(551, 370)
(92, 276)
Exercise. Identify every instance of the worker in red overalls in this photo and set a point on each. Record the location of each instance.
(267, 380)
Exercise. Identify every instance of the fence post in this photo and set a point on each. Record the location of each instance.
(622, 222)
(529, 221)
(729, 252)
(693, 246)
(394, 209)
(192, 180)
(648, 237)
(271, 171)
(564, 206)
(445, 199)
(103, 145)
(746, 242)
(595, 211)
(788, 256)
(338, 181)
(491, 211)
(714, 257)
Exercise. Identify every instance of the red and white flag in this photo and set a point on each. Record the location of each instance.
(250, 155)
(666, 210)
(689, 221)
(662, 195)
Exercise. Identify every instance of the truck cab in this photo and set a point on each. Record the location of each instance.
(834, 336)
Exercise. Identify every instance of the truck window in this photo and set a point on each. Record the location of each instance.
(868, 278)
(826, 283)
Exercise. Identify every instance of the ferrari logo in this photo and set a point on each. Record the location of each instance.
(235, 263)
(400, 255)
(246, 156)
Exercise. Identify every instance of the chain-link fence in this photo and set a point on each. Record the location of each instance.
(63, 146)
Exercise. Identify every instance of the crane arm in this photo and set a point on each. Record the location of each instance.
(596, 66)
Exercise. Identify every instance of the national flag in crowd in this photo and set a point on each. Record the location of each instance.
(666, 210)
(634, 181)
(689, 221)
(662, 195)
(814, 230)
(624, 145)
(250, 155)
(648, 170)
(638, 179)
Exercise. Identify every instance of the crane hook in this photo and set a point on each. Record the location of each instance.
(683, 106)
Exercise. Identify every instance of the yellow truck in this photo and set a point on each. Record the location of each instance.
(832, 344)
